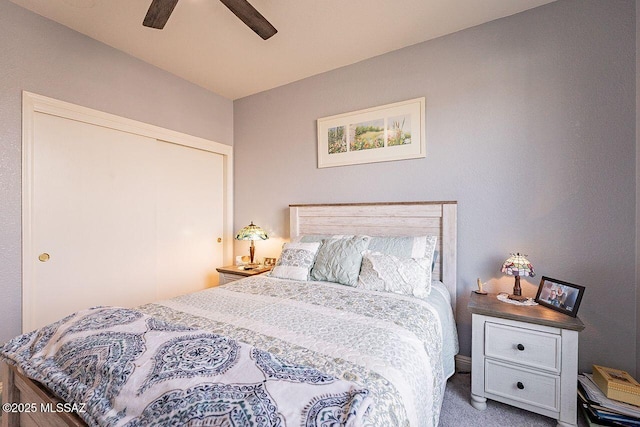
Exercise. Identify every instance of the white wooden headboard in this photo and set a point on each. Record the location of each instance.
(388, 219)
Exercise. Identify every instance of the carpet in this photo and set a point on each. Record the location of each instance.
(458, 412)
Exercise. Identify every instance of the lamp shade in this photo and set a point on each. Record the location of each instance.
(518, 265)
(251, 232)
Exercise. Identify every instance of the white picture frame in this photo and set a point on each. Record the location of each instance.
(380, 134)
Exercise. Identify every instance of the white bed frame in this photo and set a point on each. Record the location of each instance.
(374, 219)
(388, 219)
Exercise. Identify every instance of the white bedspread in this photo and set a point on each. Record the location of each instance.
(256, 352)
(390, 344)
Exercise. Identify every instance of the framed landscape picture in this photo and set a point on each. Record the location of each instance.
(380, 134)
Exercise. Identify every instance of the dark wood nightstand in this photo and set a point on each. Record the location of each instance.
(231, 273)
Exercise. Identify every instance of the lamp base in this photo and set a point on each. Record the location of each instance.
(517, 291)
(251, 266)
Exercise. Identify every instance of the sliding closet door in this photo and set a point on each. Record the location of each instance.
(117, 219)
(189, 215)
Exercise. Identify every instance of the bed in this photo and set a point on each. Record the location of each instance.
(332, 349)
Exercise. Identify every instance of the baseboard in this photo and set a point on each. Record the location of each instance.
(463, 363)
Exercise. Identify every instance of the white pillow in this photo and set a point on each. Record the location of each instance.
(408, 276)
(296, 261)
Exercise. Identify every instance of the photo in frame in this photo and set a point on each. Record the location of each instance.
(559, 295)
(379, 134)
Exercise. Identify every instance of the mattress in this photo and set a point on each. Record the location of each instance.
(440, 300)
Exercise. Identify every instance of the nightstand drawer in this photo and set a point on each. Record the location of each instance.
(521, 385)
(228, 278)
(526, 347)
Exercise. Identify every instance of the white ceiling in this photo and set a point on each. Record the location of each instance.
(204, 43)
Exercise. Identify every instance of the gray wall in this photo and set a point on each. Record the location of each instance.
(530, 127)
(44, 57)
(637, 187)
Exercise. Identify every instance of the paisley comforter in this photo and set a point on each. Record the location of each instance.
(256, 352)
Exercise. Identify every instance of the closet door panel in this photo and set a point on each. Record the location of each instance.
(91, 204)
(189, 217)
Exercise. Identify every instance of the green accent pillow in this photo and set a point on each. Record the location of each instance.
(339, 259)
(404, 247)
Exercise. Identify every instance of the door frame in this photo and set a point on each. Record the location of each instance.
(33, 103)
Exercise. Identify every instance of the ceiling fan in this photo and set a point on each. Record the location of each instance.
(160, 10)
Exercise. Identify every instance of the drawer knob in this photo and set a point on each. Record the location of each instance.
(520, 385)
(520, 347)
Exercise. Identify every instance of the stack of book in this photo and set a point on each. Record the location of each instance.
(600, 410)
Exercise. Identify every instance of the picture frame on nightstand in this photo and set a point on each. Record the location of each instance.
(559, 295)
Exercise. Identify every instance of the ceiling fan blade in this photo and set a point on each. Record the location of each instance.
(159, 13)
(250, 16)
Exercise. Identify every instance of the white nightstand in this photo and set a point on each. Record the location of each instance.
(524, 356)
(231, 273)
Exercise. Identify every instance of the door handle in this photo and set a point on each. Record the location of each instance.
(44, 257)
